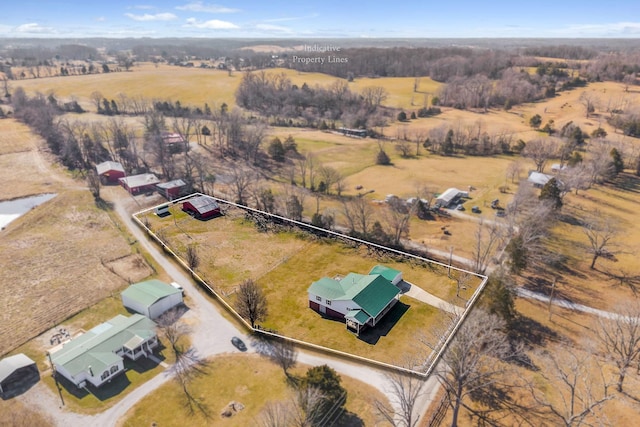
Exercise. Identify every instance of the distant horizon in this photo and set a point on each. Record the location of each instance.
(328, 19)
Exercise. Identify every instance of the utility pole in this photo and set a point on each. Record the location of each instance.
(553, 288)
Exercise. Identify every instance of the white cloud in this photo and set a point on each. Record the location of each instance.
(33, 28)
(198, 6)
(610, 29)
(273, 28)
(148, 17)
(292, 18)
(213, 24)
(101, 19)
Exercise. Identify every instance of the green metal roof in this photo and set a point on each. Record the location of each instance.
(150, 291)
(327, 288)
(375, 294)
(96, 347)
(371, 292)
(386, 272)
(358, 315)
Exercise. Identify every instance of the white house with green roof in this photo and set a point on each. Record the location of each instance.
(97, 355)
(361, 300)
(151, 298)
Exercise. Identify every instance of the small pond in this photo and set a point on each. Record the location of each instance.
(13, 209)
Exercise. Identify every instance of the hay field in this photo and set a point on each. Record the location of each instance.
(197, 86)
(192, 86)
(51, 265)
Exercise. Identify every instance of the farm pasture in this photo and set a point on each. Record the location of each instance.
(285, 264)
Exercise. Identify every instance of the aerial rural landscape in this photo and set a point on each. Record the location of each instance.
(235, 215)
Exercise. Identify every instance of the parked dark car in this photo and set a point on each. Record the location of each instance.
(475, 209)
(238, 343)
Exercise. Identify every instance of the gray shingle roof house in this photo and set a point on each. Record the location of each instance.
(359, 299)
(97, 355)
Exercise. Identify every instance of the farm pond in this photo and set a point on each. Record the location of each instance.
(13, 209)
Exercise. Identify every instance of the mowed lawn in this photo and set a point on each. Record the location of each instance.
(285, 264)
(242, 379)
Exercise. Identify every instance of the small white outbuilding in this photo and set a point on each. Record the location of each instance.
(151, 298)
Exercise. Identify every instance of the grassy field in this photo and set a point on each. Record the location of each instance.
(51, 265)
(285, 264)
(241, 379)
(197, 86)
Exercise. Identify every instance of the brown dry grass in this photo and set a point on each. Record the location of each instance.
(52, 265)
(241, 379)
(285, 264)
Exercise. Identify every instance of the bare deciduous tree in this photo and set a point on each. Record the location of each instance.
(275, 414)
(590, 101)
(374, 95)
(359, 214)
(242, 180)
(93, 180)
(251, 302)
(306, 405)
(513, 171)
(188, 365)
(404, 389)
(540, 151)
(620, 338)
(397, 216)
(284, 353)
(487, 238)
(330, 176)
(601, 232)
(472, 364)
(577, 388)
(193, 259)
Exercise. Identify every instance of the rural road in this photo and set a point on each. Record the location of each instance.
(211, 334)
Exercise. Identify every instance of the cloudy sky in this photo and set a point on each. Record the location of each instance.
(328, 18)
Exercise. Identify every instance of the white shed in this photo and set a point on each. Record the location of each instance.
(151, 298)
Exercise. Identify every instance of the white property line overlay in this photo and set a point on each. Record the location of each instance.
(434, 358)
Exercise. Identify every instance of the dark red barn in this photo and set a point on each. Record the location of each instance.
(173, 189)
(109, 172)
(201, 207)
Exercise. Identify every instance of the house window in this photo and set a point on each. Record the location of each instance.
(114, 369)
(105, 375)
(328, 302)
(318, 298)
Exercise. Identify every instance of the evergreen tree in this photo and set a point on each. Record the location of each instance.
(327, 381)
(517, 252)
(552, 193)
(383, 158)
(276, 150)
(618, 164)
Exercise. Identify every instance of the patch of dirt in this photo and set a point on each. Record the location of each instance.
(131, 268)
